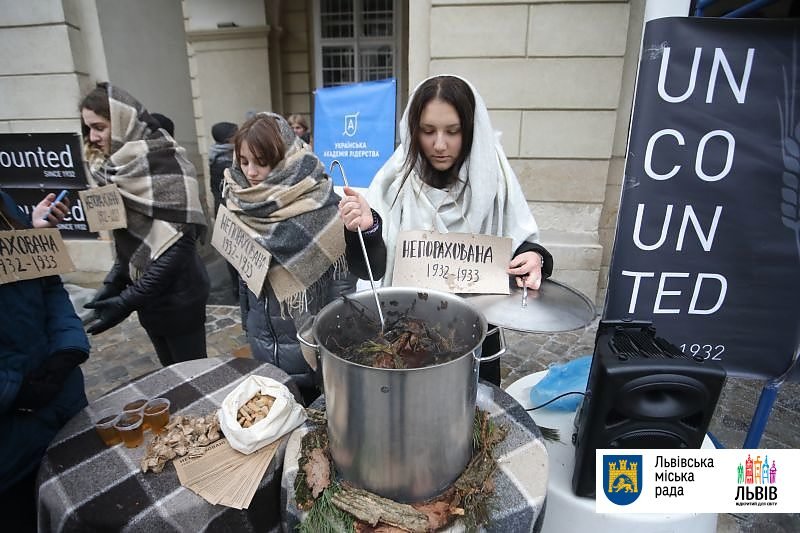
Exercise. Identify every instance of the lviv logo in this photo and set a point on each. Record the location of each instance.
(622, 478)
(756, 482)
(350, 124)
(756, 472)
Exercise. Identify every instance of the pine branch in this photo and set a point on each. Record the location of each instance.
(325, 517)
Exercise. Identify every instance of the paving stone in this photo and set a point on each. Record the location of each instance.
(115, 373)
(225, 322)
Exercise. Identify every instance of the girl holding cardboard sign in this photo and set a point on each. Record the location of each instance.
(278, 187)
(158, 271)
(42, 344)
(449, 174)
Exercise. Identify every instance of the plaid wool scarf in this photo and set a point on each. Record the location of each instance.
(294, 212)
(157, 182)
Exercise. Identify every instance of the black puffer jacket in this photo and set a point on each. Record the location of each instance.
(274, 339)
(171, 294)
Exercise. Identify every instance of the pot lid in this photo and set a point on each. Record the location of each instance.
(554, 308)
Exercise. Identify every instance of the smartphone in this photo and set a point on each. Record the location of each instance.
(60, 197)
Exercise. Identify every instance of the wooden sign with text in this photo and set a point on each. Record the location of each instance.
(452, 262)
(104, 208)
(32, 253)
(236, 242)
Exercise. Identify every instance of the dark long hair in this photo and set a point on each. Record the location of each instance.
(96, 100)
(263, 136)
(458, 94)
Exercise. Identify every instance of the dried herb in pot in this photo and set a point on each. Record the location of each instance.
(408, 342)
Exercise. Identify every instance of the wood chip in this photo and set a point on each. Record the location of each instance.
(183, 435)
(254, 410)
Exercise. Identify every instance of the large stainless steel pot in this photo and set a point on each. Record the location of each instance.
(405, 434)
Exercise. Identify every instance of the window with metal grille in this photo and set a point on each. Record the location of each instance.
(357, 41)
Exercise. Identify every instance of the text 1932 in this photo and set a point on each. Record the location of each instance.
(704, 351)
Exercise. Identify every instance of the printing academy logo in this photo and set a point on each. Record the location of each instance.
(622, 478)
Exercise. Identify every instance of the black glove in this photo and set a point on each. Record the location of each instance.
(108, 290)
(33, 394)
(57, 367)
(40, 386)
(110, 312)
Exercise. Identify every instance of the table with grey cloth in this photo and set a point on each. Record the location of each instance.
(520, 480)
(85, 486)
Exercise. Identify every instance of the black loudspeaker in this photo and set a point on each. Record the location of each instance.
(643, 392)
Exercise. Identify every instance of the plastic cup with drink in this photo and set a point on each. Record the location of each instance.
(129, 426)
(156, 414)
(104, 424)
(136, 406)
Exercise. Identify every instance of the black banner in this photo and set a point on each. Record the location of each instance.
(708, 235)
(34, 164)
(43, 160)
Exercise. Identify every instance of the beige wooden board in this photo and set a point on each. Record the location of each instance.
(32, 253)
(104, 208)
(236, 243)
(452, 262)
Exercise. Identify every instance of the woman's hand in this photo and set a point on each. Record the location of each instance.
(527, 268)
(58, 212)
(355, 211)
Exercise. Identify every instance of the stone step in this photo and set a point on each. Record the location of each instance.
(577, 260)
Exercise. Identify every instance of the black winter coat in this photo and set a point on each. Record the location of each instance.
(171, 294)
(274, 339)
(219, 159)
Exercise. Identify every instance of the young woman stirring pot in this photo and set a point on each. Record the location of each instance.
(449, 174)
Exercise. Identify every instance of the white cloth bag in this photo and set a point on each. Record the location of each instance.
(284, 415)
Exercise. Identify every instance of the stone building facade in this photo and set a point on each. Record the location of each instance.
(557, 76)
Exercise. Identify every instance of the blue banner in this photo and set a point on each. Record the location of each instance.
(355, 125)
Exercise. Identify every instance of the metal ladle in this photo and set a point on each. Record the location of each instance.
(363, 250)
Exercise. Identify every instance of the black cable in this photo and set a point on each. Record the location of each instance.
(548, 402)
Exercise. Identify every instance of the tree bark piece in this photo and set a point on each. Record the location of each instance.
(318, 472)
(372, 509)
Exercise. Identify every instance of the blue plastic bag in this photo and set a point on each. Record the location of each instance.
(560, 378)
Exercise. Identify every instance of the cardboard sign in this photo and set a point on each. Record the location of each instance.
(452, 262)
(236, 242)
(104, 208)
(32, 253)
